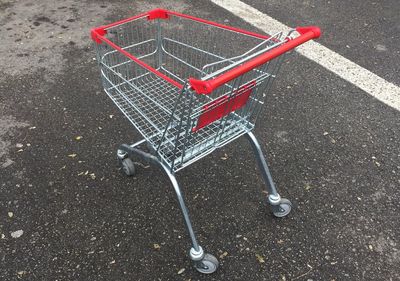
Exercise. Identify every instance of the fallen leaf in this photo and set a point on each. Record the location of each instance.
(73, 155)
(225, 156)
(326, 133)
(111, 116)
(260, 258)
(93, 176)
(3, 236)
(112, 262)
(370, 247)
(223, 255)
(10, 214)
(156, 246)
(78, 137)
(32, 128)
(307, 186)
(22, 272)
(280, 241)
(19, 145)
(182, 270)
(86, 173)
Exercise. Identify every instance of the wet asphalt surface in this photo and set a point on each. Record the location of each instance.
(334, 151)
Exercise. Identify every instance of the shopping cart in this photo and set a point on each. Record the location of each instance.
(188, 92)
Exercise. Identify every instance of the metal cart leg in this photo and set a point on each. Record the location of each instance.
(280, 206)
(204, 263)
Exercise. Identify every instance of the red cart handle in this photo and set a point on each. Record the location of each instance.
(206, 87)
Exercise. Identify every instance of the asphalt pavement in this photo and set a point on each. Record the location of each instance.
(68, 213)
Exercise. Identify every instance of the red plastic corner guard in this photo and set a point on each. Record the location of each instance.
(201, 87)
(314, 29)
(206, 87)
(157, 14)
(96, 32)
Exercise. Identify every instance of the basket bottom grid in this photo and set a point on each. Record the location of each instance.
(148, 102)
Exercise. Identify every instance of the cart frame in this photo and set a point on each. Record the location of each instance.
(218, 103)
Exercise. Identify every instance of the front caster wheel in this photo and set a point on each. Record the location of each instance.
(128, 167)
(207, 265)
(283, 209)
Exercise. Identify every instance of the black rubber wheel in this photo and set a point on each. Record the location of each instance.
(128, 167)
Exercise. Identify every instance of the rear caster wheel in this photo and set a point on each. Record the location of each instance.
(128, 167)
(207, 265)
(283, 209)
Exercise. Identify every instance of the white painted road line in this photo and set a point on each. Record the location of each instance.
(364, 79)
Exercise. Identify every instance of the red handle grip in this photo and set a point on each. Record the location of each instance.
(206, 87)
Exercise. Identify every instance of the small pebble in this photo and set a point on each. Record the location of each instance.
(17, 234)
(380, 48)
(182, 270)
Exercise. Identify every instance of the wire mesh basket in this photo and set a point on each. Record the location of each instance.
(156, 67)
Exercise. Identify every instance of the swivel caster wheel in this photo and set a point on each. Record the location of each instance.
(282, 209)
(207, 265)
(128, 167)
